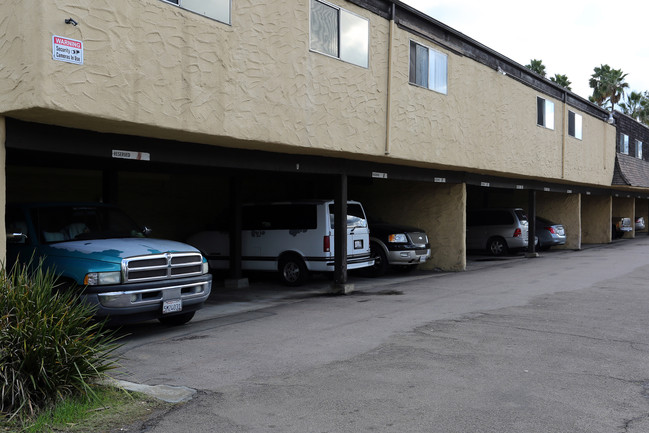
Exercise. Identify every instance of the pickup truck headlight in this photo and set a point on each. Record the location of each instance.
(399, 237)
(206, 267)
(102, 278)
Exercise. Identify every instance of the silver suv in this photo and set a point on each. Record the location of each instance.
(497, 230)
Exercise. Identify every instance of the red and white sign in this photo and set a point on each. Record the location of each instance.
(67, 50)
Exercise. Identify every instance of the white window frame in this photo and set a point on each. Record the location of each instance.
(190, 6)
(577, 125)
(348, 41)
(638, 149)
(436, 74)
(545, 115)
(624, 143)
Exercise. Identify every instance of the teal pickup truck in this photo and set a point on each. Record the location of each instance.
(98, 250)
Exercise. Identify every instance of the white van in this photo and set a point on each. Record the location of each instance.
(292, 238)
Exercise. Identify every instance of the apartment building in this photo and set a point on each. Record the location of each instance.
(176, 110)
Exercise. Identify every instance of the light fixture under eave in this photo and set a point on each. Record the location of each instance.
(611, 119)
(500, 70)
(71, 21)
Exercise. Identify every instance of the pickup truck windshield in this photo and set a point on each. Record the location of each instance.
(67, 223)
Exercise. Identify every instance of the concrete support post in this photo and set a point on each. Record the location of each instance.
(340, 237)
(235, 279)
(3, 187)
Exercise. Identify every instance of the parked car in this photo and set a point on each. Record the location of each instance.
(292, 238)
(549, 233)
(398, 246)
(497, 230)
(639, 223)
(99, 251)
(621, 225)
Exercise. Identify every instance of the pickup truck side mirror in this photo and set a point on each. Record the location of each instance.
(16, 238)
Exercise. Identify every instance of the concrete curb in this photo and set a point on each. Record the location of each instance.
(170, 394)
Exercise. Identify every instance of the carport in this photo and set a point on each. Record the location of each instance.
(180, 187)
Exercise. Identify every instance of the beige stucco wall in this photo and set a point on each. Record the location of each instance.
(488, 122)
(596, 219)
(439, 209)
(153, 69)
(564, 209)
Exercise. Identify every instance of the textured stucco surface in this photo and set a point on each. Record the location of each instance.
(596, 219)
(564, 209)
(487, 121)
(153, 69)
(439, 209)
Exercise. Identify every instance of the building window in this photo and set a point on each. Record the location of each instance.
(339, 33)
(638, 149)
(624, 144)
(574, 124)
(545, 113)
(215, 9)
(428, 68)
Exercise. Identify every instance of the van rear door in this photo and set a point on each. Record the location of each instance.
(358, 234)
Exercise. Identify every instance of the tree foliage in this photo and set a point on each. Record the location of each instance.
(536, 66)
(608, 86)
(561, 80)
(637, 106)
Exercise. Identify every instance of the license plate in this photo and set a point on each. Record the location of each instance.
(172, 306)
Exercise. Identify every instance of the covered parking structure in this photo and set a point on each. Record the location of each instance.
(181, 188)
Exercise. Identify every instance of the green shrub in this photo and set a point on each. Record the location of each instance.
(50, 346)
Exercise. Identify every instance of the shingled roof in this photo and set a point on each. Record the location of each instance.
(630, 171)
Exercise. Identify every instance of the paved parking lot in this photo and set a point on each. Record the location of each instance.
(556, 343)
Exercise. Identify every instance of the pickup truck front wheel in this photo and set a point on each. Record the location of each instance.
(381, 265)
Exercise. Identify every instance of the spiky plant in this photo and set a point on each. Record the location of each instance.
(50, 346)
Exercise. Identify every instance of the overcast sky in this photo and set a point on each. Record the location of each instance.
(571, 37)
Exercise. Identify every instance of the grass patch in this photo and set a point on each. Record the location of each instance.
(108, 410)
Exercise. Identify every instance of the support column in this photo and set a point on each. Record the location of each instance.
(110, 187)
(235, 279)
(531, 232)
(340, 285)
(3, 187)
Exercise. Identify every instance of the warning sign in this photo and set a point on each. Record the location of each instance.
(67, 50)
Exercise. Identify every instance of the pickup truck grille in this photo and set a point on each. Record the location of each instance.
(418, 238)
(161, 266)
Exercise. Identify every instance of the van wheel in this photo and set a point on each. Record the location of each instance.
(293, 271)
(497, 247)
(177, 319)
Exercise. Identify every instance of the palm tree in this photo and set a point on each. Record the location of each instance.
(608, 85)
(633, 106)
(537, 66)
(561, 80)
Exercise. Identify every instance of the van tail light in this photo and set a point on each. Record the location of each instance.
(326, 244)
(517, 233)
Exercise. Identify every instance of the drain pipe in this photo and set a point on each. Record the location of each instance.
(388, 114)
(563, 135)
